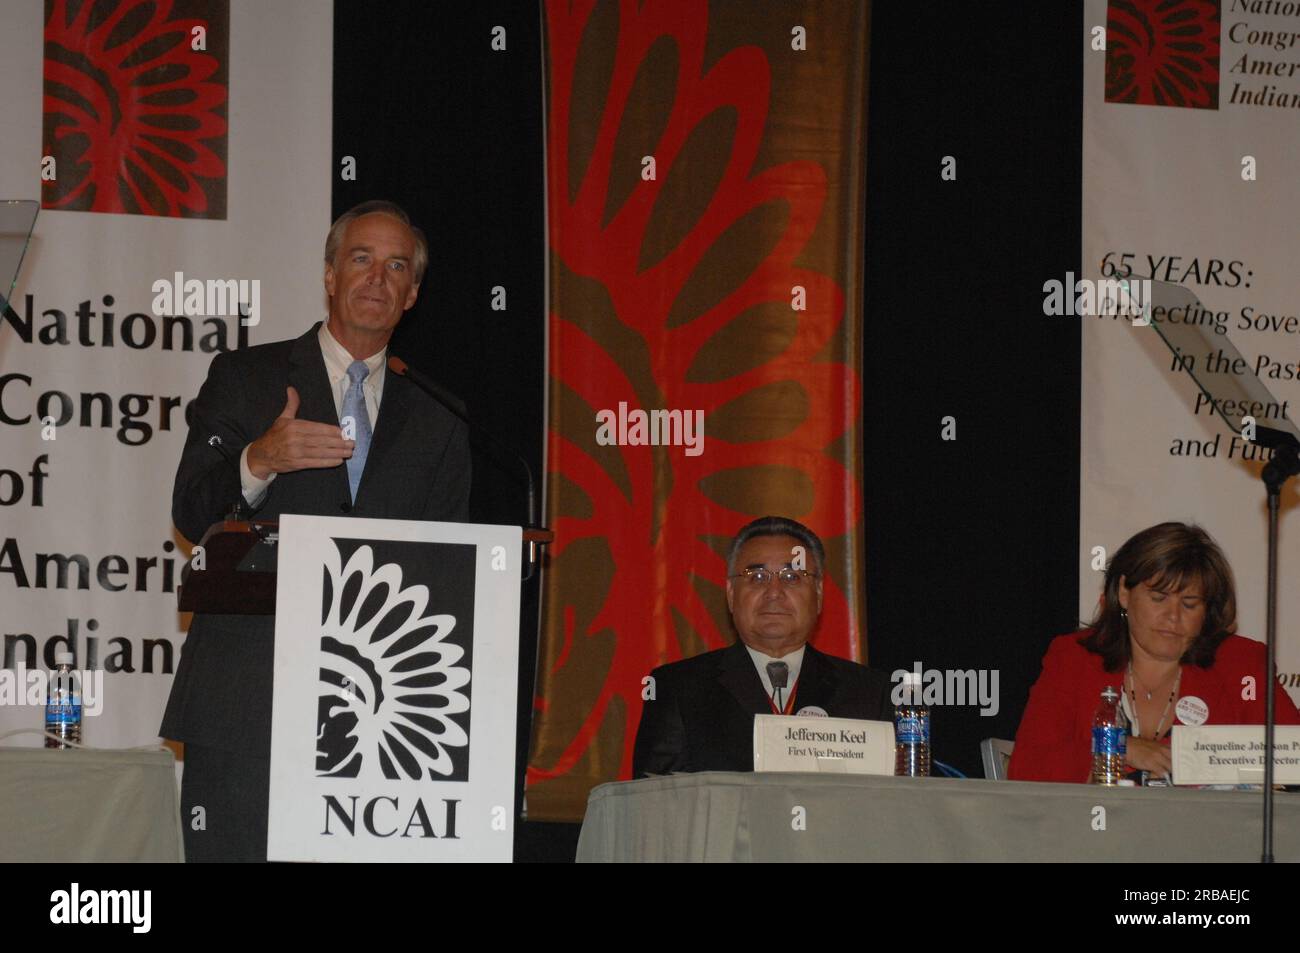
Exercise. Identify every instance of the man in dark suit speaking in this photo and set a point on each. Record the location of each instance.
(701, 717)
(319, 428)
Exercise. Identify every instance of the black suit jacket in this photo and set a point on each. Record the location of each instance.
(418, 468)
(702, 715)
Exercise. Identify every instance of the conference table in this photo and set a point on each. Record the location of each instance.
(89, 805)
(722, 816)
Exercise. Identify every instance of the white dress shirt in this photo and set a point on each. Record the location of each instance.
(337, 361)
(794, 660)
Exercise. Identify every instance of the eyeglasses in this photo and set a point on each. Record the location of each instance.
(790, 578)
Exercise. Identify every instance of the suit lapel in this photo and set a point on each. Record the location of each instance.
(739, 677)
(307, 376)
(816, 682)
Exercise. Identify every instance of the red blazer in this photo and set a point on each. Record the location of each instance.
(1054, 741)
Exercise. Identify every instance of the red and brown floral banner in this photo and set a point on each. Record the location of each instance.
(705, 203)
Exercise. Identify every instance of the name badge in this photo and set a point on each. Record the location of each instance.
(1192, 710)
(823, 745)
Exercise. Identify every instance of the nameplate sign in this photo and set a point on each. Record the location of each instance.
(823, 745)
(1233, 754)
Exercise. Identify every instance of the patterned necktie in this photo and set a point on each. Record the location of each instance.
(354, 406)
(779, 673)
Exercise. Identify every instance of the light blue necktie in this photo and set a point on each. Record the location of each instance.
(354, 406)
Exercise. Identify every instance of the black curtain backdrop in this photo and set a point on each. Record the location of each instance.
(972, 545)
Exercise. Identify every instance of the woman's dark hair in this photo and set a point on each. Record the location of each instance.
(1166, 557)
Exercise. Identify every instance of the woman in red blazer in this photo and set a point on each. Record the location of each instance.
(1162, 637)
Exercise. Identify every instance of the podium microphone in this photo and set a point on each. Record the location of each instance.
(477, 435)
(779, 673)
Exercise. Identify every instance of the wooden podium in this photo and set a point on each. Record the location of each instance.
(239, 574)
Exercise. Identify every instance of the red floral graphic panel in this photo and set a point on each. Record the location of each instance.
(135, 106)
(1163, 53)
(704, 208)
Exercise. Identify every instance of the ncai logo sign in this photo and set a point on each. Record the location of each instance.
(394, 707)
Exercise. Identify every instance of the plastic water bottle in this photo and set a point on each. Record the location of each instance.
(63, 704)
(912, 731)
(1109, 739)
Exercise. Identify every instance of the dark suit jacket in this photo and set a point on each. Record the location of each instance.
(418, 468)
(702, 715)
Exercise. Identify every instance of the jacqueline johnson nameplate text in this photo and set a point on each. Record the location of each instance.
(1233, 754)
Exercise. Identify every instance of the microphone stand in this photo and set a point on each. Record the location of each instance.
(485, 441)
(1230, 391)
(1284, 464)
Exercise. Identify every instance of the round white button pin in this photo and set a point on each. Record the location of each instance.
(1192, 711)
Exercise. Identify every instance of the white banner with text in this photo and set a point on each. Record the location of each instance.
(181, 154)
(1191, 128)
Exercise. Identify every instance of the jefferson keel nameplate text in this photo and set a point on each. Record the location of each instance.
(823, 745)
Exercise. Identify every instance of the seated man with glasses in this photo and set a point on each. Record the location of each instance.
(701, 715)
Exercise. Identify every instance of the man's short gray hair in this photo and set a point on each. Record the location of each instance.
(378, 206)
(777, 526)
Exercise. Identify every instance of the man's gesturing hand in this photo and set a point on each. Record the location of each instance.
(293, 444)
